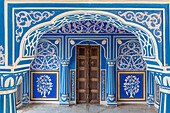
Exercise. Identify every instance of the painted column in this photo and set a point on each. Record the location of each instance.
(8, 83)
(163, 80)
(164, 105)
(8, 101)
(150, 88)
(111, 88)
(64, 85)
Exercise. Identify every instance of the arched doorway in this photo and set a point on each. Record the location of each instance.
(30, 40)
(104, 36)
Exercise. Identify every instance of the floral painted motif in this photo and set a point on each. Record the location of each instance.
(44, 85)
(77, 16)
(26, 19)
(153, 21)
(131, 85)
(88, 26)
(130, 56)
(46, 57)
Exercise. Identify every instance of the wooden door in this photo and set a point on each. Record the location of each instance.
(88, 65)
(94, 69)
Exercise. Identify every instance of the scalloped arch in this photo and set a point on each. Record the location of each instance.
(146, 39)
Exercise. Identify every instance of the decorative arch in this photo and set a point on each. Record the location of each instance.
(89, 41)
(146, 39)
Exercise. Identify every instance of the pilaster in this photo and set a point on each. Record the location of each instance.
(64, 85)
(111, 88)
(150, 88)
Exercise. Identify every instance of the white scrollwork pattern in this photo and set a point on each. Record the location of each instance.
(46, 57)
(26, 19)
(33, 37)
(2, 56)
(153, 21)
(88, 26)
(130, 56)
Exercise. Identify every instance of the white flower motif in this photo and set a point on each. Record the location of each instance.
(119, 42)
(104, 42)
(72, 42)
(57, 41)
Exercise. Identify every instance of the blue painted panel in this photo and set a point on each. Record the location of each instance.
(44, 85)
(131, 86)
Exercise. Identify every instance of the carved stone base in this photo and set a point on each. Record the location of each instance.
(150, 100)
(25, 99)
(64, 100)
(111, 100)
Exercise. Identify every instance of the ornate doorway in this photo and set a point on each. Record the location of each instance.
(88, 71)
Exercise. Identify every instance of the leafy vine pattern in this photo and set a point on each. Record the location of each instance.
(33, 37)
(130, 56)
(26, 19)
(88, 26)
(46, 57)
(152, 21)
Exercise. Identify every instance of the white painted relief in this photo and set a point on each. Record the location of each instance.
(130, 56)
(153, 21)
(26, 19)
(46, 57)
(44, 85)
(61, 20)
(88, 26)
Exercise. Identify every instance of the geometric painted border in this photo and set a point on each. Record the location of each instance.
(103, 85)
(119, 73)
(72, 84)
(57, 85)
(157, 102)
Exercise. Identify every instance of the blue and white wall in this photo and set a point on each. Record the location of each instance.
(25, 23)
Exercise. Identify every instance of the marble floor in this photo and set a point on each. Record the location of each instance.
(86, 108)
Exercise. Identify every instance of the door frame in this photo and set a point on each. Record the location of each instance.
(99, 87)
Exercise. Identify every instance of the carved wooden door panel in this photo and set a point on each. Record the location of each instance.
(94, 73)
(82, 65)
(88, 66)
